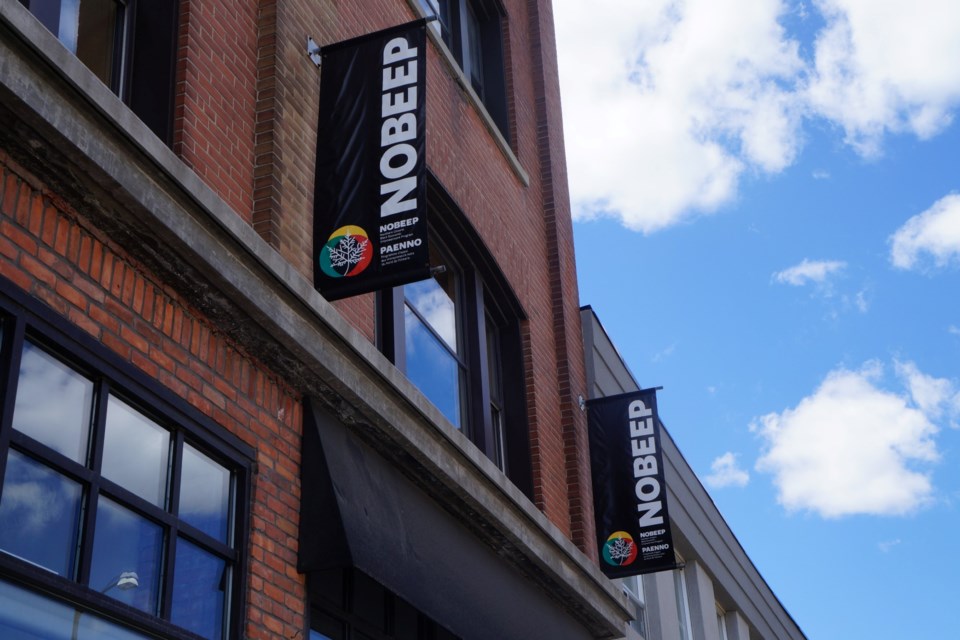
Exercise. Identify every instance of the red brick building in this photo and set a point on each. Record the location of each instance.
(193, 441)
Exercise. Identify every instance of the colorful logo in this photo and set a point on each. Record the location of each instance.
(620, 549)
(347, 253)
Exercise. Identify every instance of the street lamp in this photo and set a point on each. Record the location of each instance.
(126, 581)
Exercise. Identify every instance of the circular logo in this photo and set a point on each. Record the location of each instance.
(347, 253)
(620, 549)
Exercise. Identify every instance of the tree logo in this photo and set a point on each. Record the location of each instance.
(620, 549)
(347, 253)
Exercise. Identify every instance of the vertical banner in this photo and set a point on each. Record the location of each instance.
(629, 493)
(370, 218)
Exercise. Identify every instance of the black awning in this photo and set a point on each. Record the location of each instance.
(358, 510)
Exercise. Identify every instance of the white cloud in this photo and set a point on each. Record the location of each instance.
(850, 448)
(668, 104)
(663, 354)
(936, 397)
(886, 66)
(809, 271)
(934, 233)
(727, 473)
(928, 393)
(887, 545)
(861, 302)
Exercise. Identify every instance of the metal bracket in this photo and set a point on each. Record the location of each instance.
(313, 51)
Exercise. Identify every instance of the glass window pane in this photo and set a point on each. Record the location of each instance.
(126, 557)
(47, 12)
(135, 452)
(96, 36)
(473, 51)
(434, 302)
(324, 627)
(205, 494)
(25, 615)
(69, 19)
(39, 515)
(431, 367)
(493, 360)
(53, 403)
(199, 591)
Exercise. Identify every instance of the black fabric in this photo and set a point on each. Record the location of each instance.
(390, 530)
(323, 541)
(370, 214)
(629, 491)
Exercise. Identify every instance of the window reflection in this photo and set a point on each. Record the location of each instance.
(84, 494)
(39, 515)
(199, 591)
(25, 615)
(126, 543)
(432, 368)
(88, 29)
(205, 494)
(135, 452)
(53, 403)
(433, 300)
(96, 35)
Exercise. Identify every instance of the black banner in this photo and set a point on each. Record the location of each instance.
(629, 493)
(370, 215)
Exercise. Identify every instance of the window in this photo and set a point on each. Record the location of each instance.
(473, 31)
(346, 604)
(105, 35)
(28, 615)
(683, 607)
(721, 626)
(633, 586)
(111, 496)
(456, 335)
(433, 341)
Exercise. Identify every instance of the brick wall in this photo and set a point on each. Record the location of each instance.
(215, 97)
(246, 122)
(51, 252)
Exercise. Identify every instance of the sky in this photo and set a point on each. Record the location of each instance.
(766, 199)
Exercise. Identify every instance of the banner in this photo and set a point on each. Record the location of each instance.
(629, 493)
(370, 215)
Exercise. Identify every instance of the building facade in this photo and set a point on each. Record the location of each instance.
(194, 443)
(717, 593)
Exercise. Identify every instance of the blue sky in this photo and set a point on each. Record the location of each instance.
(767, 217)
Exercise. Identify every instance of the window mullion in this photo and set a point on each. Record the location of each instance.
(170, 544)
(88, 517)
(123, 34)
(11, 345)
(478, 397)
(433, 332)
(390, 332)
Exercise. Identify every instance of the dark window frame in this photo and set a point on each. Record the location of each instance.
(23, 318)
(455, 18)
(342, 600)
(485, 297)
(144, 59)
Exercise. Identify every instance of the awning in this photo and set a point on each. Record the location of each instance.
(359, 510)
